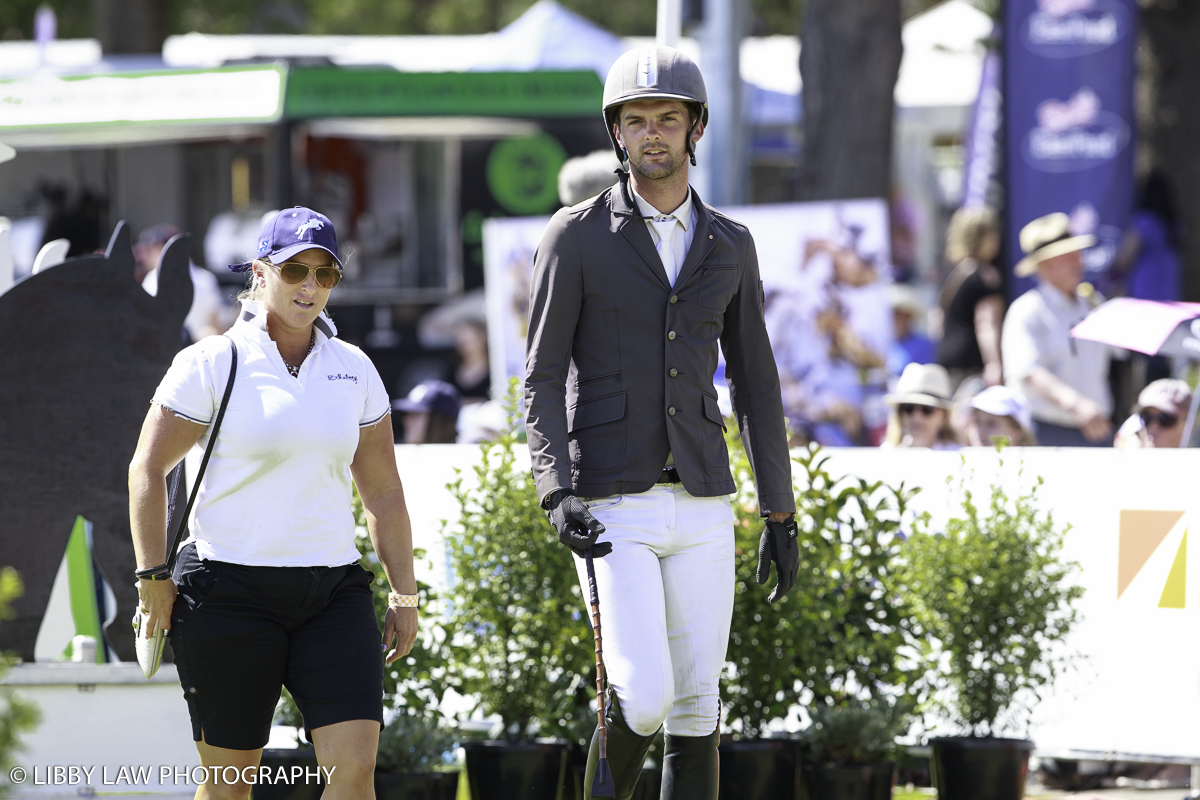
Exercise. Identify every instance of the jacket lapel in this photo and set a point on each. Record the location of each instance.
(702, 242)
(628, 220)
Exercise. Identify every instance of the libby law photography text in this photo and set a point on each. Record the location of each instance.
(76, 775)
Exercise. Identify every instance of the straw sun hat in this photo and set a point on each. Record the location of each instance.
(923, 385)
(1047, 237)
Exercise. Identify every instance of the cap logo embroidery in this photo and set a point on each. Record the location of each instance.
(312, 224)
(648, 69)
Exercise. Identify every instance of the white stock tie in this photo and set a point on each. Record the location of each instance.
(664, 226)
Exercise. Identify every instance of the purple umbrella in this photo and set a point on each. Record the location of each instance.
(1150, 327)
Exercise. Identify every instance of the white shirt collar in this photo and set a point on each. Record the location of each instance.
(650, 211)
(252, 316)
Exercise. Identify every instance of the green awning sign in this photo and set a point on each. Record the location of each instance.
(314, 92)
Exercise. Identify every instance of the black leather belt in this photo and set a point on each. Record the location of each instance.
(669, 475)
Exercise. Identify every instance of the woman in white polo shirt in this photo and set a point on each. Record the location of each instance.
(267, 590)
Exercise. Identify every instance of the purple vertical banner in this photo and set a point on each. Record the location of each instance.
(1069, 121)
(983, 135)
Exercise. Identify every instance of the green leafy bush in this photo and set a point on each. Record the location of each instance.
(415, 744)
(516, 638)
(993, 600)
(18, 715)
(855, 732)
(844, 630)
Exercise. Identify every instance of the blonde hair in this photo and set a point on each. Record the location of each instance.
(969, 229)
(254, 290)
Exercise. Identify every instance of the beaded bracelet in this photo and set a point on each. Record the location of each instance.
(396, 600)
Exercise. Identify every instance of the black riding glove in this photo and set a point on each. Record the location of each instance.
(576, 526)
(778, 544)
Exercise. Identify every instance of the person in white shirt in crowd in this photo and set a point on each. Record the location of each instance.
(1159, 416)
(207, 314)
(1000, 412)
(268, 591)
(1065, 379)
(920, 409)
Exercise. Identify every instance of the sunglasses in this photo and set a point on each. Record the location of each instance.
(295, 272)
(1162, 420)
(925, 411)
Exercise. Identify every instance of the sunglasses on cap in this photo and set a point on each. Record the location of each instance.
(1162, 420)
(294, 272)
(909, 408)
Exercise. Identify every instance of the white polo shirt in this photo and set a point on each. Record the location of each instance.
(277, 490)
(1037, 333)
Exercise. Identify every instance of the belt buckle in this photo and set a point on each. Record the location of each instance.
(668, 475)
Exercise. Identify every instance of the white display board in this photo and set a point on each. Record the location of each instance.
(1135, 686)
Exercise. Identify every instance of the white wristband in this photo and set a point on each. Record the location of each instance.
(396, 600)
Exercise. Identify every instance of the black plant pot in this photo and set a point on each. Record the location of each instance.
(760, 769)
(516, 771)
(416, 786)
(857, 782)
(968, 768)
(304, 757)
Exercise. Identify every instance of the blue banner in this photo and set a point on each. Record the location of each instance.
(982, 141)
(1069, 121)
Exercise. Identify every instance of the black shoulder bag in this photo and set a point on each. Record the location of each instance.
(149, 651)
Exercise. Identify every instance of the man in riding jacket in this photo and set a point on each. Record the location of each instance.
(632, 290)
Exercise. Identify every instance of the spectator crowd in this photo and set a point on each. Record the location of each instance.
(1017, 372)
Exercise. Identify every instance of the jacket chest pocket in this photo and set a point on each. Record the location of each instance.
(717, 286)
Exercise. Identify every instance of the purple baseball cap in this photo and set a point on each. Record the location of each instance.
(292, 231)
(437, 396)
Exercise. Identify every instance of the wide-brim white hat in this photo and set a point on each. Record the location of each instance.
(923, 385)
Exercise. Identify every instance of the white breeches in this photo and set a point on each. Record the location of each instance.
(666, 599)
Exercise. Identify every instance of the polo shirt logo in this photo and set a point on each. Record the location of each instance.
(340, 377)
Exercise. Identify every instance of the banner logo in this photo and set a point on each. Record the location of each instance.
(1085, 219)
(1070, 28)
(1074, 135)
(1141, 535)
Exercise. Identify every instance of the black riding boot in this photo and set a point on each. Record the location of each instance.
(626, 753)
(690, 767)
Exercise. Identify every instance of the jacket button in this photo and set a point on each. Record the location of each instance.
(671, 411)
(674, 299)
(671, 335)
(674, 372)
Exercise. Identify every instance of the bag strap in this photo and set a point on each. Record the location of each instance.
(212, 440)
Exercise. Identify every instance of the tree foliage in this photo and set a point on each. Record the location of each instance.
(843, 630)
(395, 17)
(994, 599)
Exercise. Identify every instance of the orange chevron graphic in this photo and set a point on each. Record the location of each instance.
(1141, 532)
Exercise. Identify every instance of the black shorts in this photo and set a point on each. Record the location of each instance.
(240, 633)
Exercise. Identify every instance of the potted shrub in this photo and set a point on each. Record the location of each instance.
(849, 749)
(841, 632)
(516, 638)
(994, 599)
(414, 753)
